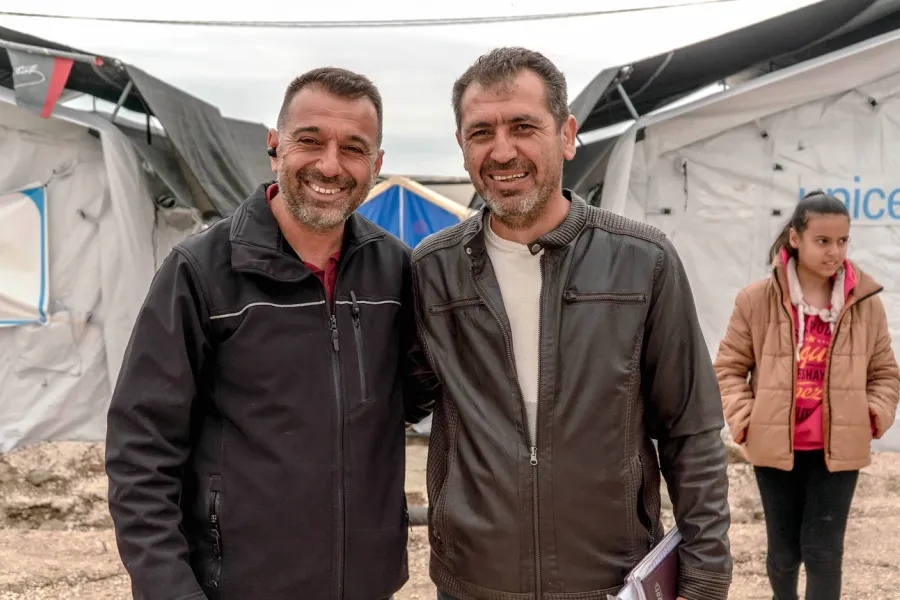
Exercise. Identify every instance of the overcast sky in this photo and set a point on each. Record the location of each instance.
(244, 70)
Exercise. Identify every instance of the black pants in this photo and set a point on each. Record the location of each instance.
(806, 513)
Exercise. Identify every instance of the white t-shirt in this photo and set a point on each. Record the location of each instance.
(519, 275)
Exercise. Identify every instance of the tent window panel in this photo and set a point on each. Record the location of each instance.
(24, 278)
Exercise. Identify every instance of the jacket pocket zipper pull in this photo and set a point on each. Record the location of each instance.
(334, 334)
(355, 308)
(533, 460)
(217, 543)
(214, 522)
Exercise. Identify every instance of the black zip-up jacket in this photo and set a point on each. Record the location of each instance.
(622, 362)
(255, 445)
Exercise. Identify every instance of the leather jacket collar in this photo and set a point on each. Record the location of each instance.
(563, 235)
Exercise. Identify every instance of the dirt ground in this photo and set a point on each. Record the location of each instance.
(56, 542)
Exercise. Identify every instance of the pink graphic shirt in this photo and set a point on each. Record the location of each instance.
(810, 388)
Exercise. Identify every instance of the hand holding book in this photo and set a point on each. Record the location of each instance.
(656, 576)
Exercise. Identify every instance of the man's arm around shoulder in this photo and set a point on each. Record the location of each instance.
(684, 413)
(148, 431)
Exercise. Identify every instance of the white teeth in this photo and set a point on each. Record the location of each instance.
(322, 190)
(508, 177)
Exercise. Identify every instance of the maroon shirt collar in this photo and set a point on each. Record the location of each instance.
(328, 275)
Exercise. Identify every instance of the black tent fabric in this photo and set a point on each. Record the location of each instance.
(665, 78)
(217, 172)
(881, 17)
(163, 158)
(584, 104)
(105, 81)
(203, 140)
(250, 139)
(580, 174)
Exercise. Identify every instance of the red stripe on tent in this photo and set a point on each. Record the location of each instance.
(61, 69)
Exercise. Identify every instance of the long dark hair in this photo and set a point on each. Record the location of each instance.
(816, 202)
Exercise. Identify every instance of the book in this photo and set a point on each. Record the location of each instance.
(656, 576)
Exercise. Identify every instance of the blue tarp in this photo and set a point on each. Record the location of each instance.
(406, 214)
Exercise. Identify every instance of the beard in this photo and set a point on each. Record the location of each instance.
(312, 213)
(517, 209)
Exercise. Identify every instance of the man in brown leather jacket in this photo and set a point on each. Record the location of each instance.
(567, 341)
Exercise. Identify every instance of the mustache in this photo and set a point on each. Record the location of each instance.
(512, 165)
(315, 176)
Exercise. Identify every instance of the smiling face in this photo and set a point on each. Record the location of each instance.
(328, 157)
(822, 245)
(513, 148)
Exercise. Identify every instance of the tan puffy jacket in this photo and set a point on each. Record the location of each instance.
(862, 377)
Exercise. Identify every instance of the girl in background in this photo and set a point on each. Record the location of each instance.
(823, 382)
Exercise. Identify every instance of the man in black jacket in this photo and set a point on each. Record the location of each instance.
(255, 445)
(566, 340)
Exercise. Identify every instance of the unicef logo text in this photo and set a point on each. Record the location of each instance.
(867, 203)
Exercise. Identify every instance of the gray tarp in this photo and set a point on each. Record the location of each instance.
(251, 142)
(203, 139)
(163, 158)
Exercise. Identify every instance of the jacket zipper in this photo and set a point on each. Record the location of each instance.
(837, 327)
(360, 353)
(339, 417)
(535, 491)
(793, 369)
(531, 440)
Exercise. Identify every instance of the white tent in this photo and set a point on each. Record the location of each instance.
(721, 175)
(77, 252)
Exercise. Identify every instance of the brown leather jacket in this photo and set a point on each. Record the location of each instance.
(622, 362)
(862, 380)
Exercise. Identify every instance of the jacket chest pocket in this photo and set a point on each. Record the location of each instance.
(446, 308)
(370, 347)
(626, 298)
(602, 324)
(468, 321)
(624, 310)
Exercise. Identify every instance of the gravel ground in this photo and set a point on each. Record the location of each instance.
(56, 542)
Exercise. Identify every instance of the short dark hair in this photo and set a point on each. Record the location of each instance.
(816, 202)
(337, 82)
(502, 65)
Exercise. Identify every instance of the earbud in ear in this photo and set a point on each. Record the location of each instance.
(271, 152)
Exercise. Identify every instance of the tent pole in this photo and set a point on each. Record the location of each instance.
(121, 101)
(27, 49)
(628, 103)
